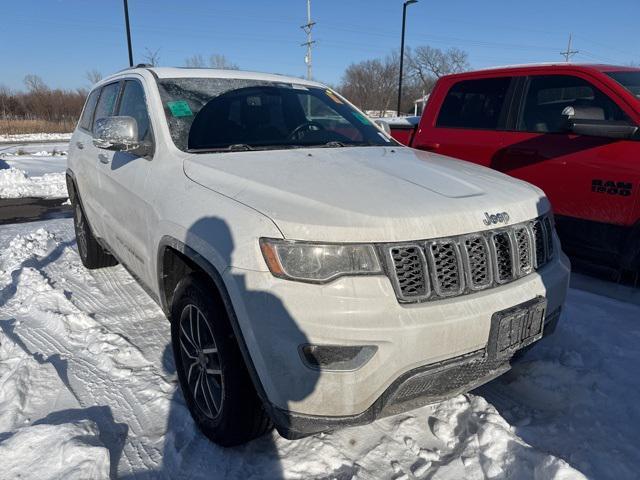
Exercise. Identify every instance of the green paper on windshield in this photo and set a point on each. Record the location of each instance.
(361, 117)
(179, 108)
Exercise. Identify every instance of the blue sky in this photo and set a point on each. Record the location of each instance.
(61, 39)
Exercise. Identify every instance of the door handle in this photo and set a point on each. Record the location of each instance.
(103, 158)
(80, 145)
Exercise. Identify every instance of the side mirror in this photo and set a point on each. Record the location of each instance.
(590, 121)
(119, 134)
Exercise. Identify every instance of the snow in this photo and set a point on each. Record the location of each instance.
(33, 170)
(34, 137)
(16, 183)
(88, 390)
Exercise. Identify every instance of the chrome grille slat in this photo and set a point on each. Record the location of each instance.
(503, 256)
(447, 271)
(548, 232)
(409, 264)
(538, 238)
(523, 250)
(448, 267)
(478, 262)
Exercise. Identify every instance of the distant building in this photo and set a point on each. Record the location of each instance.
(381, 113)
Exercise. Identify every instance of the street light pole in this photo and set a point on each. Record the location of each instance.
(126, 21)
(404, 21)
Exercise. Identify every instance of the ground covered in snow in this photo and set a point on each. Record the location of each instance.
(34, 137)
(88, 390)
(33, 170)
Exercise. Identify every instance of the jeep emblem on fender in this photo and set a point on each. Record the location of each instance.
(502, 217)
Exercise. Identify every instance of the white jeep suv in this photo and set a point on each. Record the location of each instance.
(316, 273)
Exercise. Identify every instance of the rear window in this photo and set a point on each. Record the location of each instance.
(89, 108)
(628, 79)
(474, 104)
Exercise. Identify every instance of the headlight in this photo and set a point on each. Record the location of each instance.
(318, 263)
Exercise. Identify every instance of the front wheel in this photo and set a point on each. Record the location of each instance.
(213, 378)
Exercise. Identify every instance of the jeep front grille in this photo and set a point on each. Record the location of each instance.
(433, 269)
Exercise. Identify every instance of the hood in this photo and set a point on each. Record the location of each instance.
(366, 194)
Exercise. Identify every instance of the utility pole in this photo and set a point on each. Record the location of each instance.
(404, 21)
(307, 27)
(126, 21)
(569, 53)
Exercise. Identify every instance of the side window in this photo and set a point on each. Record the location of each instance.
(548, 95)
(132, 104)
(474, 104)
(107, 102)
(89, 108)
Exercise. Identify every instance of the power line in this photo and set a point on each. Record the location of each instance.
(568, 53)
(307, 27)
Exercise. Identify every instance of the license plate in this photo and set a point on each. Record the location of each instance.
(516, 327)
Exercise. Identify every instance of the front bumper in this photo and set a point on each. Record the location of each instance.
(435, 349)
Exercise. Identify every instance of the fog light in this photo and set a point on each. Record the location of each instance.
(336, 357)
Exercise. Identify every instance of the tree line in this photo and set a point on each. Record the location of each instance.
(39, 108)
(371, 84)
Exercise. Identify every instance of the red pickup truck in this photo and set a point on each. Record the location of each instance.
(572, 130)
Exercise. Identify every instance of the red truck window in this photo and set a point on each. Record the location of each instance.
(476, 104)
(547, 96)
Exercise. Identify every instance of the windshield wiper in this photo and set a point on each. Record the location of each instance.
(239, 147)
(236, 147)
(335, 144)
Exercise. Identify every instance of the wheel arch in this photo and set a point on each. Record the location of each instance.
(183, 260)
(72, 185)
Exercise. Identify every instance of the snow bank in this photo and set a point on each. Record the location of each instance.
(68, 451)
(53, 152)
(35, 137)
(16, 183)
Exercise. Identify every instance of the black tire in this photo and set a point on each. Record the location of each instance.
(91, 252)
(213, 377)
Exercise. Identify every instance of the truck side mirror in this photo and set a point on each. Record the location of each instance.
(591, 121)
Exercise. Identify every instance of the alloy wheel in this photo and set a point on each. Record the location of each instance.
(201, 361)
(81, 235)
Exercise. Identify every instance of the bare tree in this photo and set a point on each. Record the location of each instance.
(372, 84)
(194, 61)
(217, 60)
(94, 76)
(152, 57)
(428, 63)
(34, 83)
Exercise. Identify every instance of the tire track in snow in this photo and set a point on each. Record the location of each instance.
(104, 368)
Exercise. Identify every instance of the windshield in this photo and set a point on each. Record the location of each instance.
(629, 80)
(221, 114)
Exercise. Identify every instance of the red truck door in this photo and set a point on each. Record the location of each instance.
(585, 177)
(464, 118)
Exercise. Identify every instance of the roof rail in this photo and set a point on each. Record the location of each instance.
(139, 65)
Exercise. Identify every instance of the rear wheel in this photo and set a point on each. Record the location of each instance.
(214, 380)
(91, 252)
